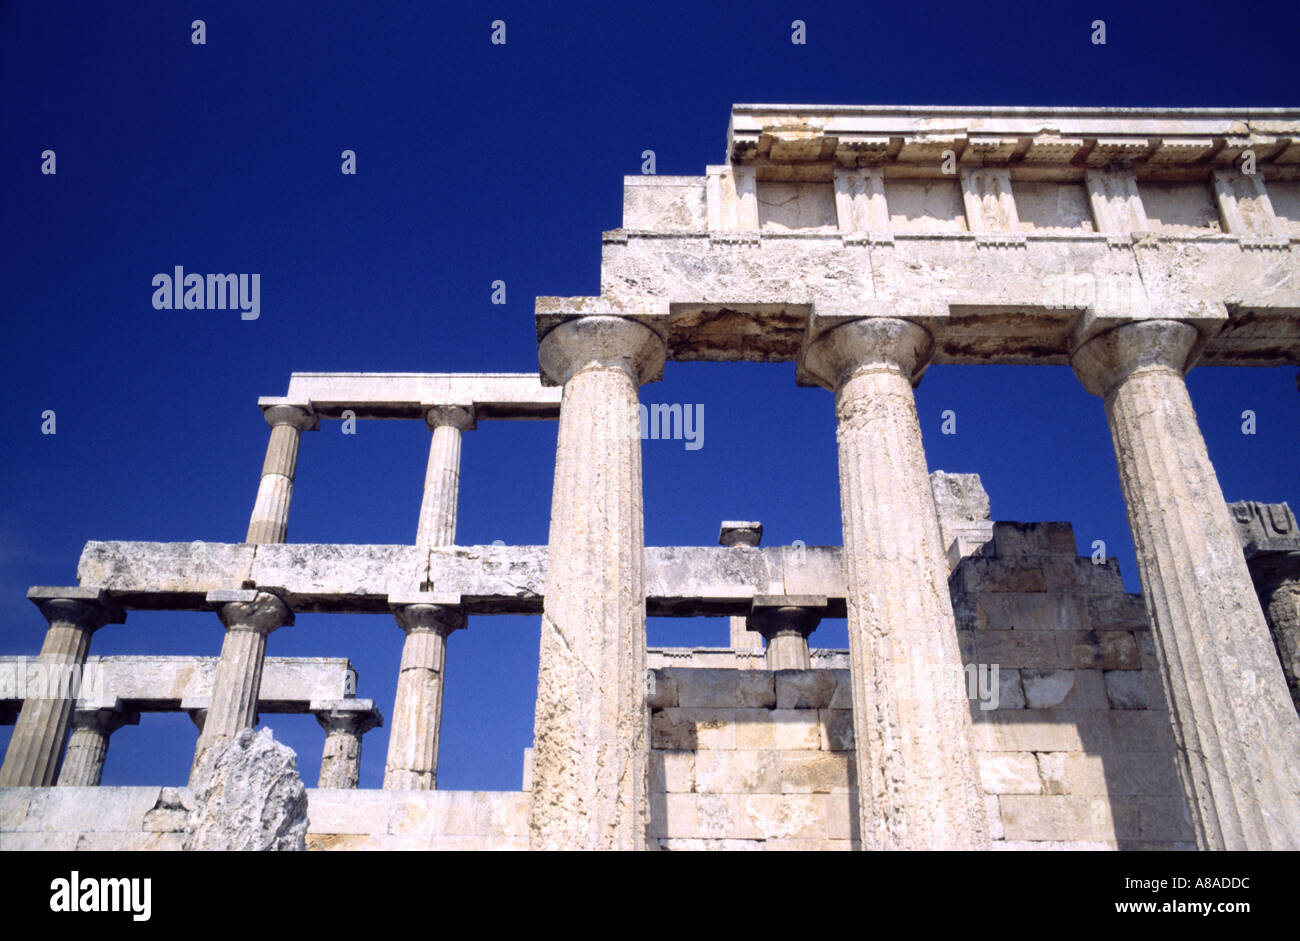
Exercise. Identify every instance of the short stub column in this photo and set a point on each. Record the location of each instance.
(270, 520)
(428, 621)
(83, 764)
(442, 477)
(738, 533)
(591, 745)
(36, 747)
(1234, 722)
(918, 787)
(344, 722)
(785, 621)
(249, 616)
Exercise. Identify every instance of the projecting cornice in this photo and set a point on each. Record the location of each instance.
(803, 141)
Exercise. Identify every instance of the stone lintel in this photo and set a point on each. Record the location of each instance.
(681, 581)
(492, 396)
(171, 684)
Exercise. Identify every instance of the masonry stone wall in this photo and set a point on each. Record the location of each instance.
(1078, 753)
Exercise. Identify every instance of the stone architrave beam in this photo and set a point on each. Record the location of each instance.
(680, 581)
(492, 396)
(180, 684)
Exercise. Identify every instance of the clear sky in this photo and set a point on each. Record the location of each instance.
(478, 162)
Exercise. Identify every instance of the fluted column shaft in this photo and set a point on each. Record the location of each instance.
(249, 616)
(83, 764)
(269, 522)
(412, 762)
(591, 728)
(437, 525)
(1233, 720)
(36, 745)
(340, 763)
(917, 782)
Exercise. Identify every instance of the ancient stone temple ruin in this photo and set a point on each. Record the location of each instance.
(864, 244)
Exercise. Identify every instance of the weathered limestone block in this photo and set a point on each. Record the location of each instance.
(1127, 689)
(1235, 724)
(248, 796)
(1009, 773)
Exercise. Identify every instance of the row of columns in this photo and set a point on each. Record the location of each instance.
(1236, 732)
(1238, 737)
(344, 722)
(249, 616)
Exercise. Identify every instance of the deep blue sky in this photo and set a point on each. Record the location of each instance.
(478, 162)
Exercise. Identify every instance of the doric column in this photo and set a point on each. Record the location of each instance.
(83, 764)
(412, 763)
(917, 782)
(249, 616)
(785, 621)
(442, 479)
(1233, 719)
(344, 722)
(736, 533)
(36, 745)
(270, 519)
(591, 727)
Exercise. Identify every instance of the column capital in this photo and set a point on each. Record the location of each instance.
(774, 615)
(356, 716)
(740, 533)
(603, 340)
(1103, 361)
(250, 610)
(830, 358)
(86, 608)
(429, 613)
(281, 411)
(460, 417)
